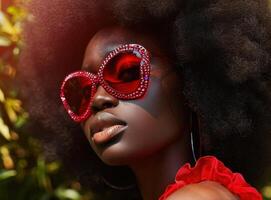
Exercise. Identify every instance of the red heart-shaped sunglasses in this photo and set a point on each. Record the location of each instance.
(124, 74)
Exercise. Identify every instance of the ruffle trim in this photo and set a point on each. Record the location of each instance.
(209, 168)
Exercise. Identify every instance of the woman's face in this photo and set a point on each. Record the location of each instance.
(152, 122)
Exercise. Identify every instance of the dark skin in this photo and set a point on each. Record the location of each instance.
(157, 141)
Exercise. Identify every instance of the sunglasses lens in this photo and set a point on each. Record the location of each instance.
(122, 72)
(77, 92)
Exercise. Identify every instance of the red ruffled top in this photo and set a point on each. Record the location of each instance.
(209, 168)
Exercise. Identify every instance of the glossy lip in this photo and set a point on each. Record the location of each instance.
(104, 120)
(113, 134)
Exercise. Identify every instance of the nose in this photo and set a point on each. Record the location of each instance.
(102, 100)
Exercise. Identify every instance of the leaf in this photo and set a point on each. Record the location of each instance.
(2, 96)
(16, 104)
(4, 42)
(12, 106)
(4, 130)
(53, 167)
(5, 174)
(21, 120)
(63, 193)
(266, 191)
(18, 13)
(41, 174)
(7, 160)
(13, 10)
(6, 25)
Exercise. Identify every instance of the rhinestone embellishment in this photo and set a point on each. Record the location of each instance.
(98, 79)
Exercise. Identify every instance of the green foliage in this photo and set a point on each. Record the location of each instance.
(24, 173)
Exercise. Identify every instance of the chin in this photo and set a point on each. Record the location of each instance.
(115, 154)
(115, 158)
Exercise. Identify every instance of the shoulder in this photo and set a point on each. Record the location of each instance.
(206, 190)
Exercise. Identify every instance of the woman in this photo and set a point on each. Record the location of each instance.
(205, 76)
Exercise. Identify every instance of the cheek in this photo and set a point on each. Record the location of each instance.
(144, 136)
(151, 118)
(152, 125)
(153, 100)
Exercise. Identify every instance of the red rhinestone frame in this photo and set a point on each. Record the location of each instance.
(98, 79)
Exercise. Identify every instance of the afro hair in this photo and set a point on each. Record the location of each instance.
(221, 47)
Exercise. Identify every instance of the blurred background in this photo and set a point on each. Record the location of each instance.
(24, 173)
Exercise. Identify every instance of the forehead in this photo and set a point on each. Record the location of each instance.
(108, 39)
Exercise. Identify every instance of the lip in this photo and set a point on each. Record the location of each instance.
(103, 121)
(108, 134)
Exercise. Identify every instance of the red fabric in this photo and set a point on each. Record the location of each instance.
(211, 169)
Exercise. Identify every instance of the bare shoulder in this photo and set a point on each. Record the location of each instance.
(206, 190)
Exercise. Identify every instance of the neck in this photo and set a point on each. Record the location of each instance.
(157, 171)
